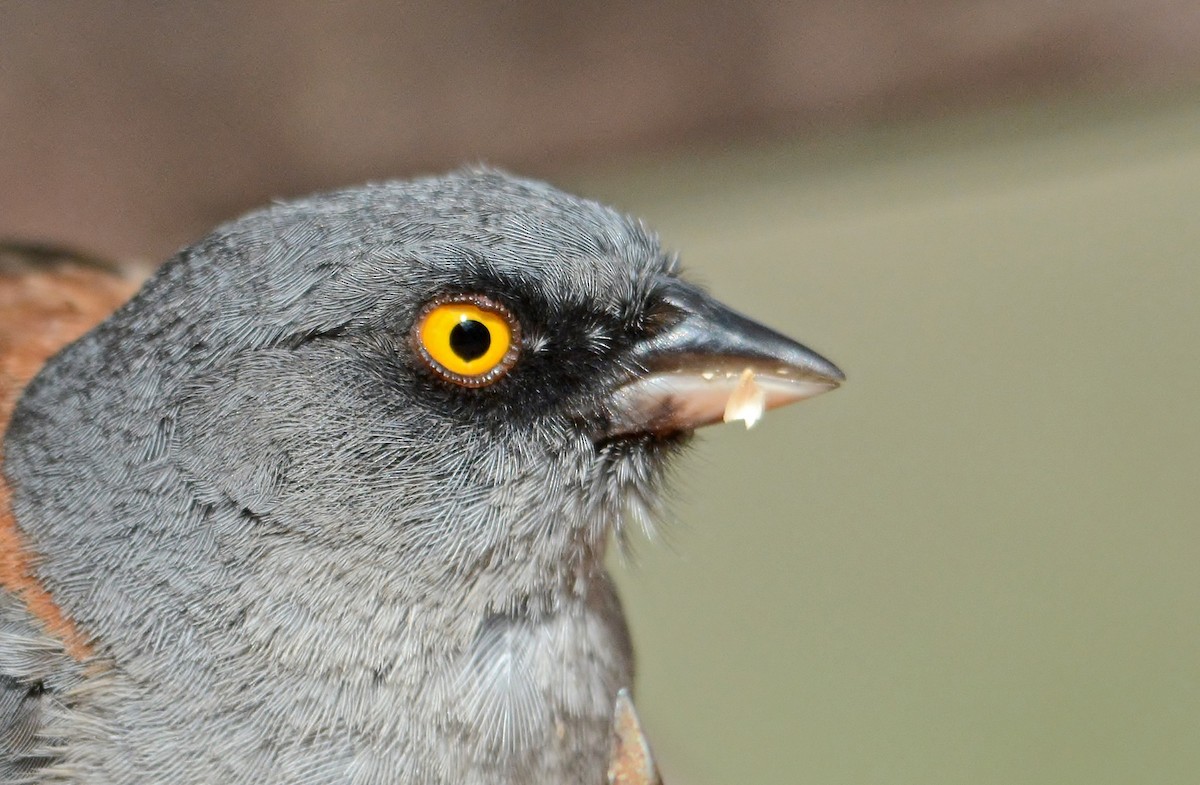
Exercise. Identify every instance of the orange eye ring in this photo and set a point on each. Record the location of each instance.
(470, 340)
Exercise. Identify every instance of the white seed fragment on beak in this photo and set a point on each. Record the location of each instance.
(747, 400)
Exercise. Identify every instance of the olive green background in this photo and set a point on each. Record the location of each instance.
(977, 561)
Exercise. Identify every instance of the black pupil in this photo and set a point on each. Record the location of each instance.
(470, 340)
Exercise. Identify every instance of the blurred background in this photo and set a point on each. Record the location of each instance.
(975, 563)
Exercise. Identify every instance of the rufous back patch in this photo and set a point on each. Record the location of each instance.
(41, 311)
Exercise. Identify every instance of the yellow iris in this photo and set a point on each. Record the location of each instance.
(470, 342)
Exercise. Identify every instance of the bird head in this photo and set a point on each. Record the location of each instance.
(470, 379)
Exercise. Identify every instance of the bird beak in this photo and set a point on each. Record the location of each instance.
(714, 364)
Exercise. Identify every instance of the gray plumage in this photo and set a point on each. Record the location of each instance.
(302, 558)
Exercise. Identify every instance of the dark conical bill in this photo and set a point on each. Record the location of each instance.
(714, 364)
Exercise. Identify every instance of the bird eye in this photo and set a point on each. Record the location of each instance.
(469, 340)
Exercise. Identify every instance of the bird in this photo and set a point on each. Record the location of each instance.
(329, 498)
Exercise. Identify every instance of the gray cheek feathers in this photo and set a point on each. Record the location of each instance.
(260, 559)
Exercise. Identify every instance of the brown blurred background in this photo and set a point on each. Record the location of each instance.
(974, 563)
(131, 127)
